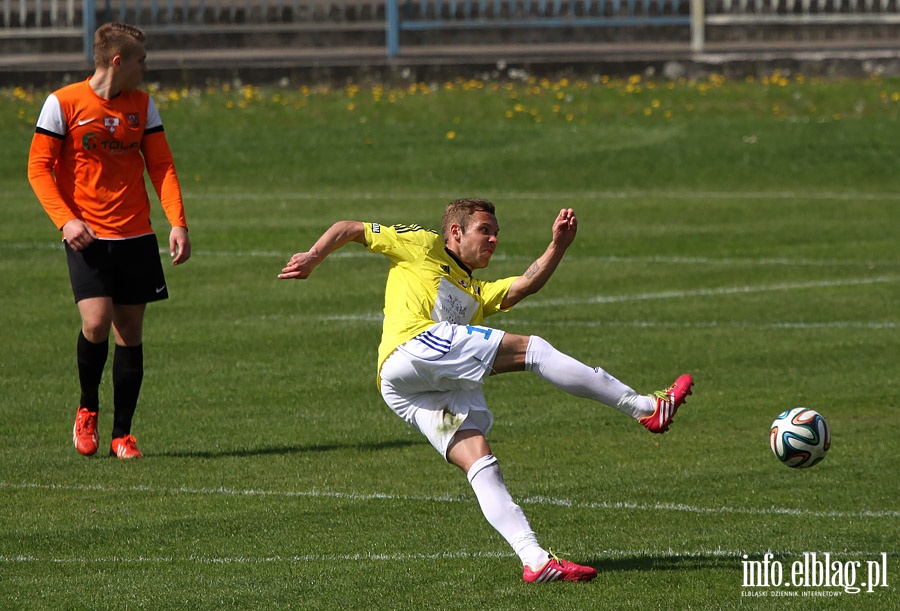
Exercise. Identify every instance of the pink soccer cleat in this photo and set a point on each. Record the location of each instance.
(667, 403)
(558, 569)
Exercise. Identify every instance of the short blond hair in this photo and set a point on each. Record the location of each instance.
(458, 212)
(115, 38)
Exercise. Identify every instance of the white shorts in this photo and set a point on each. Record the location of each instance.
(434, 380)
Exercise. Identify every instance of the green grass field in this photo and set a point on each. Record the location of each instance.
(745, 232)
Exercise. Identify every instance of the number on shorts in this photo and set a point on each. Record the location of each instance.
(484, 331)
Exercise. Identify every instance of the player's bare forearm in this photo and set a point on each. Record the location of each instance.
(302, 264)
(538, 273)
(535, 277)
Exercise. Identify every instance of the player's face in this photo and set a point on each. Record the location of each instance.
(132, 69)
(477, 244)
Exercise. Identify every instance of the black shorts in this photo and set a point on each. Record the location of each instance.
(129, 271)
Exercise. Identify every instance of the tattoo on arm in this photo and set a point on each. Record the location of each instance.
(532, 271)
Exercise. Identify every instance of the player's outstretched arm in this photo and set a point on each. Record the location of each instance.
(301, 265)
(565, 225)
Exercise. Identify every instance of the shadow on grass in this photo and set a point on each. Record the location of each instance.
(663, 562)
(289, 450)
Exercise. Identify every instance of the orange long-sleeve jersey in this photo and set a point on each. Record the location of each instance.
(87, 161)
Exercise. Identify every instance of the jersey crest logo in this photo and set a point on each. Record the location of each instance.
(463, 283)
(133, 119)
(89, 141)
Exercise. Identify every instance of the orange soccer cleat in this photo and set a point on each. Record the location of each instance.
(84, 434)
(125, 447)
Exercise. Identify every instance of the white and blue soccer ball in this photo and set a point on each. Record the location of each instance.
(800, 437)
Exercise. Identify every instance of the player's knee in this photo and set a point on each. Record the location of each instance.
(537, 350)
(511, 353)
(95, 330)
(480, 465)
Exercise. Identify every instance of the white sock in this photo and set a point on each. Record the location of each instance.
(580, 380)
(503, 513)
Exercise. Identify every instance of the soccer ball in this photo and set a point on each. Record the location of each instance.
(800, 437)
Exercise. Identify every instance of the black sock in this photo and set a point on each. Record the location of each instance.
(91, 361)
(128, 373)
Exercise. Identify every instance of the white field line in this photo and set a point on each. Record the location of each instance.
(674, 260)
(668, 553)
(646, 324)
(439, 198)
(550, 196)
(378, 318)
(303, 558)
(734, 290)
(534, 500)
(539, 302)
(369, 557)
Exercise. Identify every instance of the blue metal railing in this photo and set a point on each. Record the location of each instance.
(425, 15)
(409, 16)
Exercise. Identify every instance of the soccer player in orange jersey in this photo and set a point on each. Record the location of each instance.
(86, 165)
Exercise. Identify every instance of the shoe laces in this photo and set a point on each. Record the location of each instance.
(662, 394)
(86, 420)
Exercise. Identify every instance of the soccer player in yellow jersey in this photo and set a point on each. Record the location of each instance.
(86, 164)
(435, 353)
